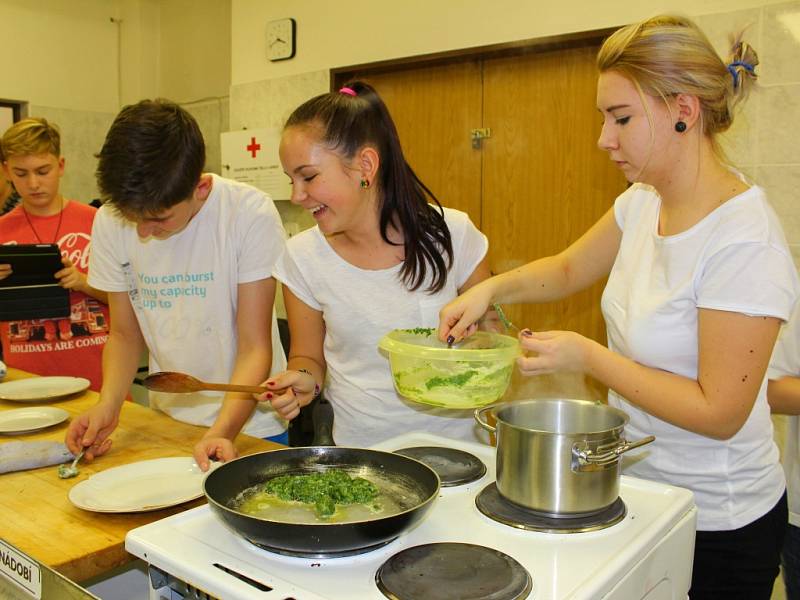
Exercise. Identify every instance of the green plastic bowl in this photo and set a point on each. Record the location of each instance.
(473, 373)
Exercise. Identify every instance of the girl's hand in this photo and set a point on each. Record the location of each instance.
(459, 318)
(300, 389)
(554, 351)
(5, 270)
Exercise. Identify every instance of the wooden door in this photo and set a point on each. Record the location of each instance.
(434, 108)
(545, 182)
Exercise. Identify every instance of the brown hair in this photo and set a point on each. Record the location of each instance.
(152, 158)
(30, 136)
(668, 55)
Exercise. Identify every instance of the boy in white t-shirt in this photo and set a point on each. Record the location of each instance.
(186, 257)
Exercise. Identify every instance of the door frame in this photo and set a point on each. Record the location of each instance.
(340, 75)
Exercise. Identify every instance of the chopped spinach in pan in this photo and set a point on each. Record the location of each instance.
(324, 490)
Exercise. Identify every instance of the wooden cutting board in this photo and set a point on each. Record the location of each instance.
(39, 519)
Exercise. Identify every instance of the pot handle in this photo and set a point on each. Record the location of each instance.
(607, 457)
(478, 414)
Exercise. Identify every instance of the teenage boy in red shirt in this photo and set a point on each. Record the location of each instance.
(32, 161)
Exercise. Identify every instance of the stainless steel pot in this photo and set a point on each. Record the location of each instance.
(559, 456)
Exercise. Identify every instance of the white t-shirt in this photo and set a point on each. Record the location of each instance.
(184, 292)
(786, 363)
(359, 307)
(735, 259)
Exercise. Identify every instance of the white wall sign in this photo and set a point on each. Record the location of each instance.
(251, 156)
(22, 570)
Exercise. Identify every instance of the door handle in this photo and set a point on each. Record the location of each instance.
(478, 135)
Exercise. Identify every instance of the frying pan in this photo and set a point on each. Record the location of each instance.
(410, 484)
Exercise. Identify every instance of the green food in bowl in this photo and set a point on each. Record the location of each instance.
(473, 373)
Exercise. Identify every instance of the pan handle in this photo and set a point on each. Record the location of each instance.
(478, 414)
(322, 416)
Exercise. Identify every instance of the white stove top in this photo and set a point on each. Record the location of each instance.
(647, 554)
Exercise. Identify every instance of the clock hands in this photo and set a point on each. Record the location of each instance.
(273, 42)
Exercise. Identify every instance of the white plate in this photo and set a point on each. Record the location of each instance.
(41, 388)
(141, 486)
(25, 420)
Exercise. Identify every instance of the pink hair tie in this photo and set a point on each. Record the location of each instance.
(348, 91)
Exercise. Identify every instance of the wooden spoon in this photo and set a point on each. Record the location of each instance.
(181, 383)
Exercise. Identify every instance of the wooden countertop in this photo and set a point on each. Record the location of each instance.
(39, 519)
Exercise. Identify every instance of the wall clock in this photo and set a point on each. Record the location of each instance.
(281, 39)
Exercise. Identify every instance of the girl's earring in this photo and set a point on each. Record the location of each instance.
(364, 183)
(680, 126)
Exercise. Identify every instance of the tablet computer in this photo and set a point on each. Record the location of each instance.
(32, 291)
(31, 264)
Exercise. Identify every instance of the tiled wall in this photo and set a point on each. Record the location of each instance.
(213, 118)
(83, 132)
(268, 104)
(82, 135)
(764, 139)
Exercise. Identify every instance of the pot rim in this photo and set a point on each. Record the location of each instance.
(495, 408)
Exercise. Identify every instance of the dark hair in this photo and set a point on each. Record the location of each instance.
(349, 123)
(152, 158)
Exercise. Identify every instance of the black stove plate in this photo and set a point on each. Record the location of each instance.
(454, 467)
(451, 571)
(496, 507)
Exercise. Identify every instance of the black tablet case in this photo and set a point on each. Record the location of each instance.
(31, 291)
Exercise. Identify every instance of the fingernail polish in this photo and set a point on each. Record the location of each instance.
(450, 340)
(269, 395)
(270, 383)
(527, 332)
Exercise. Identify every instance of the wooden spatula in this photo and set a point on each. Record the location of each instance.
(181, 383)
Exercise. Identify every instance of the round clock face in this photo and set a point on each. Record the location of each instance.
(280, 39)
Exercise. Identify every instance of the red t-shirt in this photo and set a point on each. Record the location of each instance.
(68, 346)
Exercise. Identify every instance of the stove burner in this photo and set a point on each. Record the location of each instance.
(454, 467)
(496, 507)
(341, 554)
(453, 571)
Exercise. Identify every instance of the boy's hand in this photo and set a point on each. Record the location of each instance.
(70, 277)
(215, 448)
(5, 271)
(91, 429)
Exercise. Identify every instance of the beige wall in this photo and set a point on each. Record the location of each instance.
(77, 62)
(140, 50)
(195, 50)
(61, 58)
(331, 34)
(59, 53)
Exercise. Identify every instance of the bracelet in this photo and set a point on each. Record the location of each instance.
(316, 385)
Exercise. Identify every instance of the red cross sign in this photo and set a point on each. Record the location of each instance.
(253, 147)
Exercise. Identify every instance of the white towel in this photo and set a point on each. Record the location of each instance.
(19, 456)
